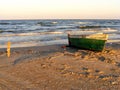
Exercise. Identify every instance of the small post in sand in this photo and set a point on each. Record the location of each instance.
(8, 49)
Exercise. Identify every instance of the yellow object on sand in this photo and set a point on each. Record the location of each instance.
(8, 49)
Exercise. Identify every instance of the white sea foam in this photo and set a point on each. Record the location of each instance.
(34, 43)
(113, 41)
(30, 34)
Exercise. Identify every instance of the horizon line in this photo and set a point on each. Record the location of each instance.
(65, 19)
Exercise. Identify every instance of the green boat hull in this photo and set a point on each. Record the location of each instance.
(86, 43)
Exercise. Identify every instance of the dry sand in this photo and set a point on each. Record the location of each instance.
(53, 68)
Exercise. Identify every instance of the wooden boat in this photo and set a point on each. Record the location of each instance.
(86, 40)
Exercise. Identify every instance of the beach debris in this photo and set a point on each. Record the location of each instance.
(8, 48)
(118, 64)
(64, 47)
(114, 83)
(104, 78)
(87, 69)
(107, 60)
(43, 66)
(99, 72)
(77, 54)
(111, 61)
(84, 54)
(85, 57)
(109, 51)
(108, 77)
(88, 73)
(101, 58)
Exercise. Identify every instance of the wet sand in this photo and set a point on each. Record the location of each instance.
(55, 68)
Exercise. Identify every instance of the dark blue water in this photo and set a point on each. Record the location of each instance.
(43, 32)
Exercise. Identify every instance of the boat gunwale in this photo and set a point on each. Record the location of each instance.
(99, 36)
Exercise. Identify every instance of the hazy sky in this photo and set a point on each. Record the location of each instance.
(59, 9)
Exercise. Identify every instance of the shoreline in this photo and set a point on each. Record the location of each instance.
(65, 42)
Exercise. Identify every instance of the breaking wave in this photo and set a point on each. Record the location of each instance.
(47, 23)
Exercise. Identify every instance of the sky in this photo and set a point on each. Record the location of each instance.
(59, 9)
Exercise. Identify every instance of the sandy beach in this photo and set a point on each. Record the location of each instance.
(55, 68)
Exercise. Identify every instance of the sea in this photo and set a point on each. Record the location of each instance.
(41, 32)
